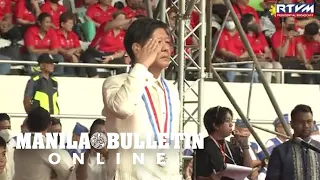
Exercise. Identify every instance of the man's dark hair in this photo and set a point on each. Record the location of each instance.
(42, 16)
(245, 19)
(55, 121)
(119, 5)
(94, 125)
(38, 120)
(215, 116)
(311, 29)
(4, 117)
(3, 143)
(300, 108)
(65, 17)
(140, 16)
(140, 31)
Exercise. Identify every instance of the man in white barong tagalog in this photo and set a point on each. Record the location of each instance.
(143, 102)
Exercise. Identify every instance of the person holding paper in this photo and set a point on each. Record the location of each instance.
(143, 102)
(291, 160)
(211, 161)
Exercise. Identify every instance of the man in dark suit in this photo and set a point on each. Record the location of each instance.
(290, 160)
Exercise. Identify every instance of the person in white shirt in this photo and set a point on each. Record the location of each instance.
(33, 164)
(90, 169)
(315, 132)
(276, 141)
(143, 102)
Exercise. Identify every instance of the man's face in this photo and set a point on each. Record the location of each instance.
(68, 25)
(56, 128)
(290, 23)
(243, 131)
(302, 124)
(48, 67)
(5, 124)
(120, 17)
(280, 129)
(75, 137)
(172, 19)
(3, 158)
(163, 57)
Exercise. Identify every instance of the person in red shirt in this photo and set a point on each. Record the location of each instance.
(134, 8)
(69, 42)
(260, 46)
(230, 48)
(306, 50)
(41, 38)
(25, 13)
(241, 7)
(284, 45)
(107, 46)
(283, 40)
(5, 11)
(101, 12)
(53, 8)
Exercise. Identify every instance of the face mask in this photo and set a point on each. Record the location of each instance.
(290, 27)
(6, 134)
(230, 25)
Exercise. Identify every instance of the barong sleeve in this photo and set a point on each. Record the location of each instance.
(121, 98)
(64, 168)
(274, 166)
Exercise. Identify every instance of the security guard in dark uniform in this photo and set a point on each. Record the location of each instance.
(42, 89)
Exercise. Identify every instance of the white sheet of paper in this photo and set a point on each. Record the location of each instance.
(236, 172)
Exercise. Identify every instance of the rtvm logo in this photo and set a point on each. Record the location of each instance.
(294, 10)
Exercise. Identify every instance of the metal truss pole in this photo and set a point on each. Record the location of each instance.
(202, 49)
(179, 60)
(208, 61)
(258, 67)
(163, 7)
(190, 109)
(181, 75)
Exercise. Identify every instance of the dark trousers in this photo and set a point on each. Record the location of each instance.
(90, 56)
(293, 63)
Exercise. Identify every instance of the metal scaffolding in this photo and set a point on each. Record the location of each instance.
(185, 8)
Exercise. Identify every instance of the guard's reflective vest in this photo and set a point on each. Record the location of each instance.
(45, 96)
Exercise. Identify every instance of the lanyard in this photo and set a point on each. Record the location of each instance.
(222, 150)
(152, 113)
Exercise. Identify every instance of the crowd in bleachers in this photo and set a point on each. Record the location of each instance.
(48, 27)
(288, 43)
